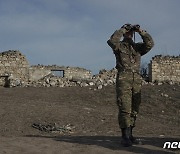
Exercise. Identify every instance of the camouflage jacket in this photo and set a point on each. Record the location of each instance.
(128, 54)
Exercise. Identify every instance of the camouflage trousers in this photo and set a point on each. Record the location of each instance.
(128, 90)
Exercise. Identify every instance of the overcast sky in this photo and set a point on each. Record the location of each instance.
(75, 32)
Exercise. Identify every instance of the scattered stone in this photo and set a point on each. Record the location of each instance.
(104, 78)
(161, 135)
(15, 71)
(99, 87)
(164, 95)
(159, 83)
(91, 83)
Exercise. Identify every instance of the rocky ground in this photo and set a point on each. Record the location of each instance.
(84, 120)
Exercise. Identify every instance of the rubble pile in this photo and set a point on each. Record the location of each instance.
(104, 78)
(98, 81)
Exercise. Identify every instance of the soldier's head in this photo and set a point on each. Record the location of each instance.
(129, 34)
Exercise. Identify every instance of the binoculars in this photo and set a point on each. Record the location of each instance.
(130, 27)
(135, 27)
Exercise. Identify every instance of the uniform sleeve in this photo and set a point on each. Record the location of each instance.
(114, 40)
(146, 45)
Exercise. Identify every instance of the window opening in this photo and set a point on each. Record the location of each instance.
(59, 73)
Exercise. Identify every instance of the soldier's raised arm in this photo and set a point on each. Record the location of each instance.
(147, 43)
(114, 40)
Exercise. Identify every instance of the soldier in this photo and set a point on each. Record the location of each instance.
(128, 81)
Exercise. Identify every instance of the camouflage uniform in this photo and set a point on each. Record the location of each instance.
(128, 82)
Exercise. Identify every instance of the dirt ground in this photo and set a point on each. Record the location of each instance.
(92, 115)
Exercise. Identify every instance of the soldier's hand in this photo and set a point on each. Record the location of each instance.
(128, 27)
(136, 28)
(140, 30)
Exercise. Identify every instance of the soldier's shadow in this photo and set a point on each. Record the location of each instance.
(151, 145)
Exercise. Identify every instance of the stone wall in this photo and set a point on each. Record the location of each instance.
(13, 65)
(164, 68)
(77, 73)
(71, 73)
(104, 78)
(15, 71)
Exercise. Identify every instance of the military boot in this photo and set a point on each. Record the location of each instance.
(126, 142)
(132, 138)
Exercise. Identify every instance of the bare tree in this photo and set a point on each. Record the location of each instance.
(144, 71)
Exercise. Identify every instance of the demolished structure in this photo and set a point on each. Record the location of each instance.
(13, 65)
(164, 68)
(16, 71)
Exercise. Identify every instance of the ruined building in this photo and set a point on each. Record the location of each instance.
(39, 71)
(14, 68)
(165, 68)
(13, 64)
(15, 71)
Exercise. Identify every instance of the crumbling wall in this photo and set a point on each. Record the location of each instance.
(37, 73)
(15, 71)
(104, 78)
(71, 73)
(45, 76)
(164, 68)
(13, 65)
(77, 73)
